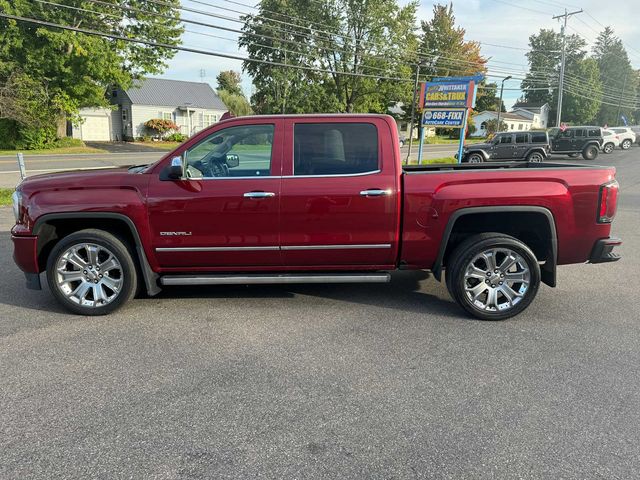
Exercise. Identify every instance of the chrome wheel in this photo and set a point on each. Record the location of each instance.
(626, 145)
(89, 275)
(608, 148)
(535, 158)
(475, 158)
(496, 280)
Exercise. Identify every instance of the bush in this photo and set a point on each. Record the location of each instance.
(176, 137)
(8, 134)
(66, 142)
(160, 126)
(144, 138)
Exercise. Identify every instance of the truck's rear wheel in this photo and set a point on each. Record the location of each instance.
(590, 152)
(91, 272)
(535, 157)
(493, 276)
(475, 158)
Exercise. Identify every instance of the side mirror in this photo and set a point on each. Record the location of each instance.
(176, 169)
(233, 160)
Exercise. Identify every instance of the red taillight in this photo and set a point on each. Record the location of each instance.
(608, 202)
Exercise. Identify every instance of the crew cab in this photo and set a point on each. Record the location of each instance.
(310, 198)
(509, 146)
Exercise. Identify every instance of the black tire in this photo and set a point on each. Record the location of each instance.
(626, 144)
(574, 155)
(590, 152)
(608, 147)
(471, 248)
(127, 274)
(474, 158)
(535, 157)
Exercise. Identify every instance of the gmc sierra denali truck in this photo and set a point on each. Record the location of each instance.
(315, 198)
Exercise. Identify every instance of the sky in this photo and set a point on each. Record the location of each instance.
(502, 23)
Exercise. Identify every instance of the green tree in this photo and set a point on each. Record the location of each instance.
(619, 81)
(491, 126)
(488, 99)
(237, 104)
(581, 101)
(229, 80)
(75, 69)
(446, 51)
(334, 55)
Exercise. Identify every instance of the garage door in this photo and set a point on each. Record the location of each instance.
(95, 129)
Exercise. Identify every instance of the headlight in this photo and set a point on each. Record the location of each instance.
(17, 205)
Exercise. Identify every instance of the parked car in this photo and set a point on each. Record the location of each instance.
(310, 198)
(636, 129)
(573, 141)
(627, 136)
(610, 140)
(527, 146)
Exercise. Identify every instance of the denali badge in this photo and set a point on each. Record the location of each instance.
(175, 234)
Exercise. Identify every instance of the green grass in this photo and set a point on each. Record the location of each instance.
(434, 161)
(167, 146)
(448, 141)
(53, 151)
(5, 196)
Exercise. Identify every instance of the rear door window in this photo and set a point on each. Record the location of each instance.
(505, 139)
(580, 133)
(335, 148)
(538, 138)
(522, 138)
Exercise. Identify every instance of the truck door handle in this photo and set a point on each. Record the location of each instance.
(374, 192)
(259, 194)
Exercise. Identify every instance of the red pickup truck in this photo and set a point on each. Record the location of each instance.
(310, 198)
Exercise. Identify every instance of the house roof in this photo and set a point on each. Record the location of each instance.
(163, 92)
(529, 106)
(508, 116)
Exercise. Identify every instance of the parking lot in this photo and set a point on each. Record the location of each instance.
(329, 381)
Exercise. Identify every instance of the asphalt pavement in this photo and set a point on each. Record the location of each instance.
(329, 381)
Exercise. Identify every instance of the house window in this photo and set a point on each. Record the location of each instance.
(512, 127)
(125, 115)
(210, 119)
(483, 126)
(520, 126)
(166, 116)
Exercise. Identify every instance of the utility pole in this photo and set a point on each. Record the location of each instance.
(624, 85)
(413, 110)
(500, 101)
(566, 16)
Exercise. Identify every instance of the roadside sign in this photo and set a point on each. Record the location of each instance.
(448, 94)
(444, 117)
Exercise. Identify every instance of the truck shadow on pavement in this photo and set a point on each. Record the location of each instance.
(404, 293)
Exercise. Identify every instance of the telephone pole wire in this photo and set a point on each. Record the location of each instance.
(566, 16)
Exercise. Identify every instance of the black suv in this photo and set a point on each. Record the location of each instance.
(577, 140)
(504, 147)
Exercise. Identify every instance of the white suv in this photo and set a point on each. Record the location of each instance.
(627, 137)
(611, 140)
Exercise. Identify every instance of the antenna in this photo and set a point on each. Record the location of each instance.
(203, 74)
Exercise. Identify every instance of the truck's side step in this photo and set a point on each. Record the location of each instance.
(245, 279)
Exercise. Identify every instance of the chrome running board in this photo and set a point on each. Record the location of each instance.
(248, 279)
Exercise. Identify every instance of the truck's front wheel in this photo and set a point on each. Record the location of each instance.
(493, 276)
(91, 272)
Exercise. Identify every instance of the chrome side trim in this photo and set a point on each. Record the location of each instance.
(275, 248)
(335, 247)
(271, 279)
(372, 172)
(215, 249)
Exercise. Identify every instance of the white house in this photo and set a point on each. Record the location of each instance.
(191, 105)
(539, 114)
(514, 121)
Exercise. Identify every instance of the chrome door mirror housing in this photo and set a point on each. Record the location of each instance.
(176, 168)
